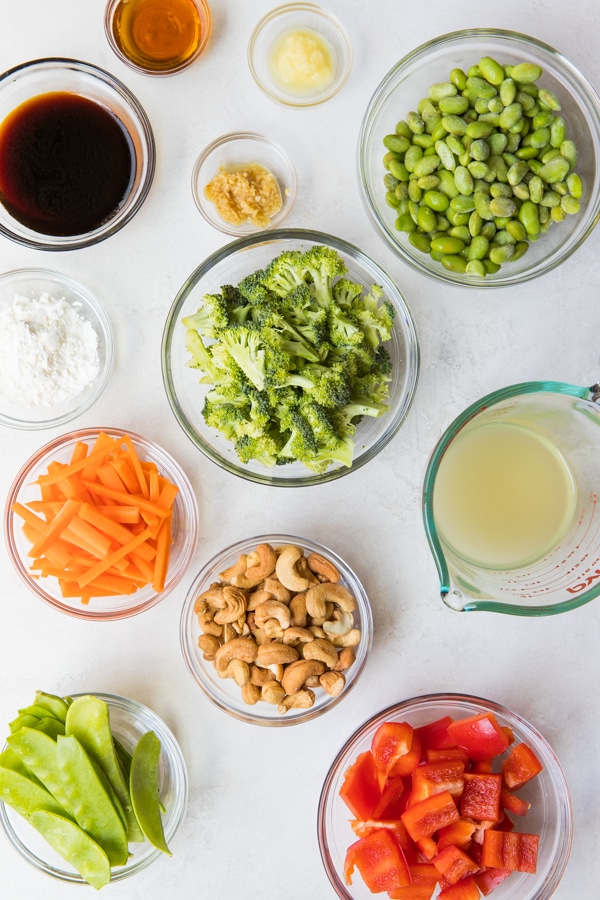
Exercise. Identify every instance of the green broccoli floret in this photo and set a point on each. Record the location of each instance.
(265, 448)
(285, 273)
(346, 292)
(376, 320)
(342, 452)
(244, 345)
(383, 361)
(228, 418)
(300, 442)
(253, 288)
(359, 407)
(238, 306)
(329, 386)
(210, 317)
(344, 330)
(323, 264)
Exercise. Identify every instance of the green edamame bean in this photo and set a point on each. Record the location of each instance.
(508, 91)
(511, 115)
(543, 119)
(478, 170)
(528, 104)
(479, 150)
(513, 142)
(482, 205)
(529, 218)
(555, 169)
(458, 78)
(74, 845)
(438, 133)
(423, 140)
(411, 157)
(500, 189)
(426, 165)
(558, 130)
(415, 122)
(475, 224)
(454, 125)
(548, 154)
(441, 89)
(536, 189)
(569, 151)
(481, 106)
(445, 155)
(502, 206)
(396, 143)
(497, 143)
(557, 214)
(461, 232)
(476, 268)
(538, 138)
(463, 180)
(570, 205)
(503, 237)
(480, 129)
(544, 215)
(479, 247)
(144, 789)
(463, 203)
(447, 185)
(405, 223)
(495, 105)
(420, 241)
(436, 200)
(526, 73)
(548, 100)
(521, 191)
(574, 185)
(403, 129)
(399, 170)
(488, 230)
(426, 220)
(481, 88)
(491, 70)
(516, 230)
(428, 182)
(550, 198)
(427, 110)
(517, 172)
(521, 249)
(501, 253)
(453, 105)
(454, 263)
(390, 181)
(391, 199)
(447, 244)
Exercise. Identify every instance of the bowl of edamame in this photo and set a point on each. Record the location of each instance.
(479, 158)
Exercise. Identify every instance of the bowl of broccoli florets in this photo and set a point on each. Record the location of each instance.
(290, 359)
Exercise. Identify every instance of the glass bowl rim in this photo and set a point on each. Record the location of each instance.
(409, 333)
(320, 13)
(186, 493)
(287, 199)
(123, 214)
(205, 14)
(560, 786)
(420, 53)
(133, 707)
(187, 642)
(106, 334)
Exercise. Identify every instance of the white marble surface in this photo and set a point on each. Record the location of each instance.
(250, 828)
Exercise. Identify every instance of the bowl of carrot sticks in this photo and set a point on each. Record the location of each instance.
(101, 523)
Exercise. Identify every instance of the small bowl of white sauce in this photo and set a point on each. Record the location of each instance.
(300, 54)
(56, 349)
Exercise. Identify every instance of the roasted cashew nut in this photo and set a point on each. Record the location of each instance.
(235, 605)
(296, 673)
(318, 596)
(347, 640)
(206, 619)
(322, 566)
(261, 564)
(322, 650)
(274, 654)
(209, 644)
(340, 623)
(238, 568)
(332, 682)
(287, 572)
(238, 648)
(272, 692)
(272, 609)
(238, 670)
(301, 700)
(275, 587)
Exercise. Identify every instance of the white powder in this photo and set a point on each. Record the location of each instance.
(48, 351)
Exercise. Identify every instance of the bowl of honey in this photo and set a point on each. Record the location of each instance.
(158, 37)
(77, 154)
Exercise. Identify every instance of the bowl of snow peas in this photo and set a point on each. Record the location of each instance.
(106, 799)
(479, 158)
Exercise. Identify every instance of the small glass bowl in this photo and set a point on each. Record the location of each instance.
(224, 692)
(46, 76)
(550, 816)
(232, 152)
(31, 284)
(155, 65)
(408, 82)
(287, 19)
(129, 721)
(101, 609)
(228, 266)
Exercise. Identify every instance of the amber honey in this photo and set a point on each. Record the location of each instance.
(159, 35)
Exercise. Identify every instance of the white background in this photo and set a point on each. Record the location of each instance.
(250, 828)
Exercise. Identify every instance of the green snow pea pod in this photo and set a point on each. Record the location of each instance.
(25, 795)
(23, 722)
(90, 801)
(89, 721)
(38, 711)
(50, 726)
(11, 760)
(74, 845)
(526, 73)
(38, 752)
(55, 705)
(144, 789)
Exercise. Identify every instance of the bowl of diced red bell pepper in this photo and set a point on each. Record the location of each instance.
(445, 796)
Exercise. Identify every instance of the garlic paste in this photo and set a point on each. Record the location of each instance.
(302, 62)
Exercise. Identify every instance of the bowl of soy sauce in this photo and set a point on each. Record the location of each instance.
(77, 154)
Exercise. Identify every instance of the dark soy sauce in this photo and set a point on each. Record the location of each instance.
(66, 164)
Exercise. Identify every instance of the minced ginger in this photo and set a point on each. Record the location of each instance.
(250, 193)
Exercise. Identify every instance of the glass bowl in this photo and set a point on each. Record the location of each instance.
(129, 721)
(228, 266)
(40, 77)
(233, 152)
(224, 692)
(101, 609)
(154, 22)
(408, 82)
(550, 815)
(276, 26)
(20, 412)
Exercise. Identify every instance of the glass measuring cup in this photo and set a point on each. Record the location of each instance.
(566, 418)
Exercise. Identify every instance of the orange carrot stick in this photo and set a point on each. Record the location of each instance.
(129, 499)
(113, 558)
(56, 526)
(161, 563)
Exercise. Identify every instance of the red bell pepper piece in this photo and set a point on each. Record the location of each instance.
(391, 741)
(425, 818)
(360, 790)
(480, 798)
(394, 826)
(426, 848)
(514, 804)
(481, 736)
(520, 766)
(434, 736)
(405, 765)
(379, 860)
(489, 879)
(510, 850)
(433, 755)
(431, 778)
(459, 834)
(454, 864)
(424, 878)
(393, 799)
(462, 890)
(482, 766)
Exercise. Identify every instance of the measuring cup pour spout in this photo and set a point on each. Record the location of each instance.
(510, 501)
